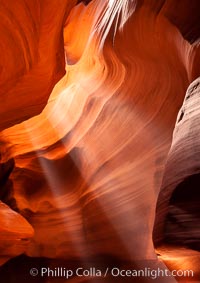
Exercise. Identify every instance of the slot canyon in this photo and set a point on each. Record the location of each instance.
(99, 139)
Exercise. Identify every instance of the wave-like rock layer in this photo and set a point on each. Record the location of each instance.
(90, 92)
(177, 219)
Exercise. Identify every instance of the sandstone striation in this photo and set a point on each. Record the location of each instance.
(90, 96)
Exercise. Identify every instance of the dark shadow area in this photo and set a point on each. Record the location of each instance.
(6, 185)
(19, 270)
(85, 2)
(185, 15)
(182, 226)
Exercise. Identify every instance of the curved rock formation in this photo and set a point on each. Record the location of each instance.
(15, 235)
(89, 148)
(177, 219)
(32, 55)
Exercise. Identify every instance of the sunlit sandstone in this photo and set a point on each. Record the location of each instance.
(89, 124)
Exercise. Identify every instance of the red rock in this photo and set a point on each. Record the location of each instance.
(90, 96)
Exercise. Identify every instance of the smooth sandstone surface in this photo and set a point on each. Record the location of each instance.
(90, 95)
(15, 235)
(177, 226)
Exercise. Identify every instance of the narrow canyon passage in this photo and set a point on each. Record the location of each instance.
(90, 93)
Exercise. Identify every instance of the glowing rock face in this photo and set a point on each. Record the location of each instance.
(15, 235)
(32, 58)
(89, 161)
